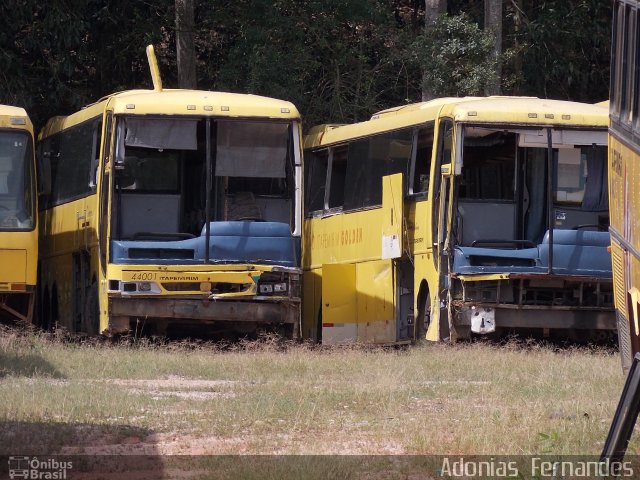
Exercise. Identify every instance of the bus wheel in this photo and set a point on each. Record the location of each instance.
(424, 314)
(91, 314)
(54, 312)
(45, 311)
(319, 326)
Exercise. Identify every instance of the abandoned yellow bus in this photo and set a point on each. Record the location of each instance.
(458, 216)
(18, 200)
(173, 212)
(624, 175)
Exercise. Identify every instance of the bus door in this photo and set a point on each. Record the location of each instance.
(399, 280)
(84, 299)
(439, 326)
(360, 298)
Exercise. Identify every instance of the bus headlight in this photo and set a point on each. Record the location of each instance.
(279, 287)
(282, 282)
(269, 288)
(133, 288)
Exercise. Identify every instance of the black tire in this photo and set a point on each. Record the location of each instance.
(319, 327)
(423, 320)
(91, 313)
(45, 311)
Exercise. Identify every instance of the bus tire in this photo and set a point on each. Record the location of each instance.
(45, 310)
(37, 311)
(319, 326)
(54, 313)
(423, 319)
(91, 313)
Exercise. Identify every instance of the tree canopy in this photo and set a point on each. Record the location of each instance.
(337, 61)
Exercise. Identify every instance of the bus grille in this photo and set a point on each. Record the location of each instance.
(161, 253)
(216, 288)
(524, 292)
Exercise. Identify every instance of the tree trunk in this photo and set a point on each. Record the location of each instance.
(185, 47)
(433, 9)
(493, 22)
(517, 61)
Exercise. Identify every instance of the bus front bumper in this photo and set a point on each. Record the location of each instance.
(533, 317)
(124, 310)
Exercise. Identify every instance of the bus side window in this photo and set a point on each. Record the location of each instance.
(422, 167)
(371, 159)
(337, 176)
(316, 163)
(95, 152)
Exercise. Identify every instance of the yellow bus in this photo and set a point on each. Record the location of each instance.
(624, 175)
(173, 212)
(458, 216)
(18, 200)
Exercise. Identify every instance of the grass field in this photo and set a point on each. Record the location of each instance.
(262, 398)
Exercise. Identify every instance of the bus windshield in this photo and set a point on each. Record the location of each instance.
(16, 181)
(161, 190)
(503, 189)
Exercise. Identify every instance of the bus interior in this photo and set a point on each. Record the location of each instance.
(163, 187)
(502, 222)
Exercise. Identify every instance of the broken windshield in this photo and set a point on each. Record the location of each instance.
(503, 198)
(16, 181)
(160, 187)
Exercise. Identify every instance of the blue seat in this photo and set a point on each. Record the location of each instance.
(575, 252)
(269, 243)
(578, 252)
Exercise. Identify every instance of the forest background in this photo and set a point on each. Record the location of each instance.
(336, 60)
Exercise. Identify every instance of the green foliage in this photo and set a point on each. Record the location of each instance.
(566, 49)
(57, 56)
(455, 56)
(337, 61)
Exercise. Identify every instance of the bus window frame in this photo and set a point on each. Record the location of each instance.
(423, 195)
(435, 189)
(327, 211)
(33, 184)
(54, 144)
(105, 190)
(311, 165)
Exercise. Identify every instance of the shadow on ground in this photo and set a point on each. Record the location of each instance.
(91, 450)
(29, 365)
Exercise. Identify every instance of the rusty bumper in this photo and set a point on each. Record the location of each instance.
(207, 310)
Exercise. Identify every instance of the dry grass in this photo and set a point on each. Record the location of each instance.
(261, 398)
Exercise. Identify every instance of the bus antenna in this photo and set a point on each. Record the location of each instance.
(155, 71)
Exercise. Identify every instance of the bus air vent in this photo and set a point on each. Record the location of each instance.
(161, 253)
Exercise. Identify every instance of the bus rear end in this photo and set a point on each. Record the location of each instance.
(18, 234)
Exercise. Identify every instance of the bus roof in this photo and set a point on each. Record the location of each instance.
(316, 133)
(179, 102)
(490, 110)
(14, 117)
